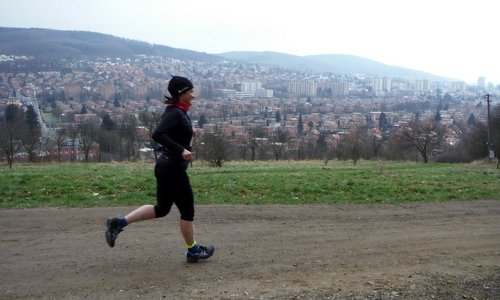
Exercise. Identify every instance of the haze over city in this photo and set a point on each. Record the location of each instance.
(446, 38)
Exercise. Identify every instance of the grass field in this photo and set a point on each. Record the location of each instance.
(283, 182)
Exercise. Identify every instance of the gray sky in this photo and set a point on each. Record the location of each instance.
(455, 38)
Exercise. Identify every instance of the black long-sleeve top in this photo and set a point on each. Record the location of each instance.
(174, 132)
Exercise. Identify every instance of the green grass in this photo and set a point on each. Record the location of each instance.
(290, 182)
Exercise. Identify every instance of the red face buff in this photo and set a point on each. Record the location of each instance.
(183, 105)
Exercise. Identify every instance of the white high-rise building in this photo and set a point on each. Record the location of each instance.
(381, 86)
(424, 85)
(457, 86)
(250, 86)
(481, 82)
(308, 88)
(264, 93)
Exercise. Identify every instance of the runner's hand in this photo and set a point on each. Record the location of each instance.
(187, 155)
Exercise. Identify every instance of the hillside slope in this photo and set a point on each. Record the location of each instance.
(57, 44)
(47, 43)
(334, 63)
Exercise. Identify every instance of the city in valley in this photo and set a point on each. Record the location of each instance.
(104, 109)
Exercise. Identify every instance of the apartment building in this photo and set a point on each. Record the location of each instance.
(424, 86)
(381, 86)
(307, 88)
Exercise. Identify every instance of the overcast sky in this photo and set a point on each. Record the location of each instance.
(454, 38)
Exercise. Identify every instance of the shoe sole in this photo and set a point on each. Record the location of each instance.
(109, 239)
(192, 260)
(108, 235)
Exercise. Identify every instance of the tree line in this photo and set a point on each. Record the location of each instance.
(122, 140)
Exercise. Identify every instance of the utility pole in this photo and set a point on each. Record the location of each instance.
(491, 154)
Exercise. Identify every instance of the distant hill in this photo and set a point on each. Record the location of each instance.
(278, 59)
(47, 43)
(53, 44)
(334, 63)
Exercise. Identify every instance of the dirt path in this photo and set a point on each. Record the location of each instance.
(413, 251)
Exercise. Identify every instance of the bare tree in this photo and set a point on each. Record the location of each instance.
(326, 149)
(299, 145)
(279, 142)
(150, 120)
(215, 147)
(11, 128)
(108, 138)
(255, 141)
(109, 143)
(374, 145)
(31, 133)
(308, 146)
(355, 143)
(10, 145)
(128, 135)
(89, 133)
(424, 136)
(73, 133)
(395, 148)
(30, 139)
(61, 134)
(495, 133)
